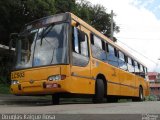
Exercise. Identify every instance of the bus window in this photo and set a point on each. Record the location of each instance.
(136, 68)
(97, 41)
(116, 52)
(130, 65)
(111, 57)
(103, 45)
(141, 68)
(142, 73)
(122, 63)
(133, 62)
(75, 45)
(145, 72)
(80, 48)
(107, 49)
(98, 48)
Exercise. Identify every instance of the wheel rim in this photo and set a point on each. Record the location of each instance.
(141, 95)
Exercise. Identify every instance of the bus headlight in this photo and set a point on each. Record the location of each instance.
(56, 77)
(14, 82)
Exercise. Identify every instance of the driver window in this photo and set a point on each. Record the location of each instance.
(80, 47)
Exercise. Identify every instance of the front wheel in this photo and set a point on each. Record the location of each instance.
(99, 91)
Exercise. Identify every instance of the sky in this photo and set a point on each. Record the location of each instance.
(139, 22)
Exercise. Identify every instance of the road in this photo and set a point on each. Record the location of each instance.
(42, 105)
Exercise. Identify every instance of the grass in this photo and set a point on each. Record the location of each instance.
(4, 89)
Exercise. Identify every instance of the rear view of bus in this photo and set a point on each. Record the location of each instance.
(42, 59)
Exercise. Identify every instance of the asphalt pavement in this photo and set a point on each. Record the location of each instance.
(83, 108)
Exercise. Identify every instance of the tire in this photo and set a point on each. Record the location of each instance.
(140, 97)
(99, 91)
(55, 99)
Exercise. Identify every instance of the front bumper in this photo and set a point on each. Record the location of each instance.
(38, 87)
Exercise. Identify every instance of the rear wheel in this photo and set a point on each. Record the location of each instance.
(55, 99)
(140, 97)
(99, 91)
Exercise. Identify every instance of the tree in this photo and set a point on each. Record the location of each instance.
(96, 16)
(65, 6)
(15, 13)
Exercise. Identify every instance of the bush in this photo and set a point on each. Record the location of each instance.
(151, 98)
(4, 89)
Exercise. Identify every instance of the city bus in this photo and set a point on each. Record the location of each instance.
(63, 56)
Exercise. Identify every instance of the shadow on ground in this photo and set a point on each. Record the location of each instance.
(13, 100)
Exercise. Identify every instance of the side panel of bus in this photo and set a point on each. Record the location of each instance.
(127, 81)
(118, 81)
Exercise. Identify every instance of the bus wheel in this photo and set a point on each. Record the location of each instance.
(141, 97)
(99, 91)
(55, 99)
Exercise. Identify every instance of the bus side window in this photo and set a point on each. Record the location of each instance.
(98, 48)
(122, 61)
(142, 73)
(116, 52)
(107, 49)
(145, 72)
(111, 56)
(103, 46)
(92, 40)
(136, 68)
(75, 45)
(80, 47)
(130, 65)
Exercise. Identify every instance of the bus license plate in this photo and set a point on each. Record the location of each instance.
(54, 85)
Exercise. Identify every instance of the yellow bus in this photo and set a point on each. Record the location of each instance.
(63, 56)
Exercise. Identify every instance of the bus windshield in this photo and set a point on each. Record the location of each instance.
(43, 46)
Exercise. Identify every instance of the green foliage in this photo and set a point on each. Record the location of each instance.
(151, 98)
(15, 13)
(4, 89)
(65, 6)
(96, 16)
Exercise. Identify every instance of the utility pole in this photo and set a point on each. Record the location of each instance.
(111, 37)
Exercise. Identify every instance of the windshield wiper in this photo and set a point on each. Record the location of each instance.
(46, 31)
